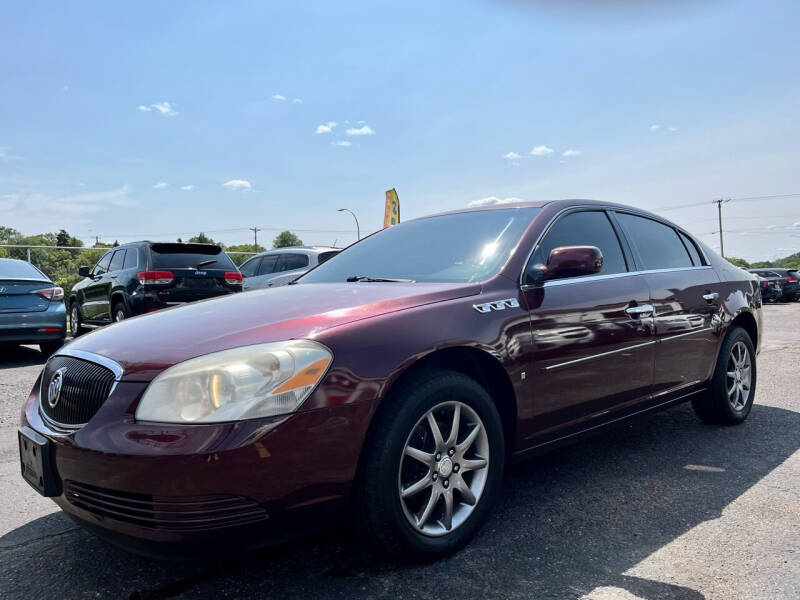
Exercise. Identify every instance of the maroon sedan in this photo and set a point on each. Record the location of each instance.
(396, 380)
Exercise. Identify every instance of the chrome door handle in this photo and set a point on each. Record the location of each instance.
(711, 297)
(641, 310)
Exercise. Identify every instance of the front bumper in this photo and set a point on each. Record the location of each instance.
(199, 487)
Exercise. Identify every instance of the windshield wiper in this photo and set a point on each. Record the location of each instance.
(377, 279)
(205, 262)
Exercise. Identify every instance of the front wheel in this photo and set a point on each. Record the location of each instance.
(432, 467)
(729, 399)
(75, 327)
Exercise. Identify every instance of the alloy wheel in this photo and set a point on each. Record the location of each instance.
(119, 314)
(74, 320)
(441, 479)
(739, 376)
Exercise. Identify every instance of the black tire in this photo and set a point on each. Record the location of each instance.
(382, 514)
(75, 321)
(715, 406)
(119, 311)
(49, 348)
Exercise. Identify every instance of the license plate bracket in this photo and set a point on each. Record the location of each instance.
(37, 462)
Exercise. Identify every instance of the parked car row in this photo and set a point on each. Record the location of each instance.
(134, 279)
(778, 285)
(396, 379)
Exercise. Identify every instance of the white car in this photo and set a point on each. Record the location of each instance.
(282, 265)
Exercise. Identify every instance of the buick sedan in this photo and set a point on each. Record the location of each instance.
(395, 381)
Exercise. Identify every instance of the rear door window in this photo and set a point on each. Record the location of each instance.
(190, 256)
(324, 256)
(131, 259)
(692, 249)
(586, 228)
(117, 260)
(290, 262)
(658, 245)
(249, 268)
(268, 265)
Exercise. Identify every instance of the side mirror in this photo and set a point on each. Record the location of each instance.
(573, 261)
(83, 271)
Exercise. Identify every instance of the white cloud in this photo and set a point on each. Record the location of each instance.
(43, 207)
(365, 130)
(491, 200)
(672, 128)
(327, 128)
(796, 224)
(187, 188)
(161, 185)
(655, 127)
(280, 97)
(238, 184)
(361, 122)
(164, 108)
(541, 151)
(572, 152)
(297, 100)
(6, 156)
(341, 143)
(512, 155)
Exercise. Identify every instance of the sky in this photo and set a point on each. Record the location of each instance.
(157, 120)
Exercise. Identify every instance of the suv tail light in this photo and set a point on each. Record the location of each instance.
(233, 278)
(790, 280)
(53, 294)
(155, 277)
(766, 283)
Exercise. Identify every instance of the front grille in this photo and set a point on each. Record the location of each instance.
(167, 514)
(85, 386)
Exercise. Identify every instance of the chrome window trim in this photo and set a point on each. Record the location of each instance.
(555, 282)
(604, 208)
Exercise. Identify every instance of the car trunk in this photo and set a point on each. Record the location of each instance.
(16, 295)
(198, 272)
(189, 285)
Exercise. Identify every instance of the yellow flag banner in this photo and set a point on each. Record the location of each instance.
(391, 214)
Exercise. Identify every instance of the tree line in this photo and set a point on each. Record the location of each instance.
(61, 265)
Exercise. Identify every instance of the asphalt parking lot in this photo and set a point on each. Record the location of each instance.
(665, 507)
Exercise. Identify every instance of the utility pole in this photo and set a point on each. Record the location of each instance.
(719, 202)
(96, 240)
(255, 231)
(358, 229)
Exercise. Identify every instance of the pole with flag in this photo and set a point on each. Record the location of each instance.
(391, 213)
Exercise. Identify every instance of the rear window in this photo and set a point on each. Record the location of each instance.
(190, 256)
(12, 269)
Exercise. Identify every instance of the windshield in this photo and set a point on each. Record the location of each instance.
(461, 247)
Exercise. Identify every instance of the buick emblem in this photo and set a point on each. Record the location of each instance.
(54, 389)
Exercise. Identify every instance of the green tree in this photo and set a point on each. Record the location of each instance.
(286, 238)
(201, 239)
(250, 249)
(739, 262)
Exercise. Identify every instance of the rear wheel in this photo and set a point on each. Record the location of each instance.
(432, 467)
(733, 387)
(75, 327)
(120, 313)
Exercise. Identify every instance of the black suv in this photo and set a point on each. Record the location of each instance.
(141, 277)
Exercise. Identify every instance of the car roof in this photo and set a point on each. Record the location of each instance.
(289, 249)
(563, 203)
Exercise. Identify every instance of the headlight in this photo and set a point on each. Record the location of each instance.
(242, 383)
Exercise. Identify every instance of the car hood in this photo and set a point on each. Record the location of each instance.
(144, 346)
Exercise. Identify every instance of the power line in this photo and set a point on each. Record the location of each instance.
(740, 199)
(233, 230)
